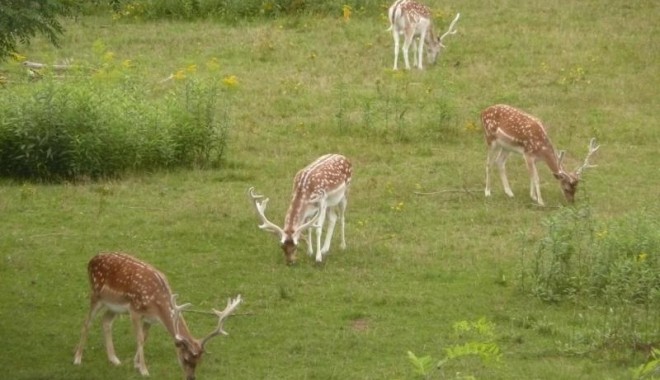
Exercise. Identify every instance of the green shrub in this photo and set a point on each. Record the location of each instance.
(71, 130)
(612, 269)
(197, 137)
(613, 263)
(233, 10)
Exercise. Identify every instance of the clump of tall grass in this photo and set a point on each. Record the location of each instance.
(614, 263)
(611, 267)
(56, 130)
(235, 9)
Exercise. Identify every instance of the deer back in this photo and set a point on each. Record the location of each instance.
(517, 131)
(328, 176)
(123, 282)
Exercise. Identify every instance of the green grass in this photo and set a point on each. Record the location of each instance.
(415, 264)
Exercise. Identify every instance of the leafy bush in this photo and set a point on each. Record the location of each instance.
(235, 9)
(23, 20)
(198, 137)
(613, 269)
(60, 130)
(613, 263)
(560, 264)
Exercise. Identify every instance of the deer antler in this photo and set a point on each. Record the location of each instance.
(451, 30)
(261, 209)
(222, 315)
(176, 312)
(592, 149)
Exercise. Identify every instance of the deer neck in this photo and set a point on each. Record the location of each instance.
(547, 154)
(296, 213)
(181, 328)
(430, 37)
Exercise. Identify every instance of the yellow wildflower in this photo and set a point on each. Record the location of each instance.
(213, 64)
(230, 81)
(17, 57)
(346, 11)
(180, 75)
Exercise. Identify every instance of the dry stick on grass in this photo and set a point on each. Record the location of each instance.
(467, 191)
(37, 65)
(463, 190)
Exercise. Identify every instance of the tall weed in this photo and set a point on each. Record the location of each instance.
(78, 129)
(613, 268)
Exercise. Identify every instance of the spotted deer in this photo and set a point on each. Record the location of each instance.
(412, 19)
(121, 283)
(320, 191)
(508, 129)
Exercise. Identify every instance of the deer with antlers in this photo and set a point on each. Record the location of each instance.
(412, 19)
(508, 129)
(121, 283)
(319, 191)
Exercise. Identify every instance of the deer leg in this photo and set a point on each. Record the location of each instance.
(406, 45)
(139, 336)
(492, 153)
(501, 165)
(94, 308)
(310, 249)
(420, 50)
(414, 52)
(395, 35)
(535, 185)
(145, 331)
(318, 227)
(108, 317)
(342, 212)
(332, 220)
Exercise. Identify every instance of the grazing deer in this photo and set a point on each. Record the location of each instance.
(121, 283)
(413, 19)
(508, 129)
(320, 190)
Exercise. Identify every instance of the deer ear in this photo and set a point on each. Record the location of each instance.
(560, 175)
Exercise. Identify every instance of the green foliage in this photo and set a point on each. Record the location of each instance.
(22, 20)
(650, 369)
(476, 339)
(89, 129)
(486, 351)
(560, 264)
(612, 267)
(199, 138)
(233, 10)
(421, 365)
(627, 268)
(615, 262)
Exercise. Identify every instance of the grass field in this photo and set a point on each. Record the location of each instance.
(417, 267)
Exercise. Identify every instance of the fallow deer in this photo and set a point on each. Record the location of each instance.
(121, 283)
(413, 19)
(508, 129)
(319, 190)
